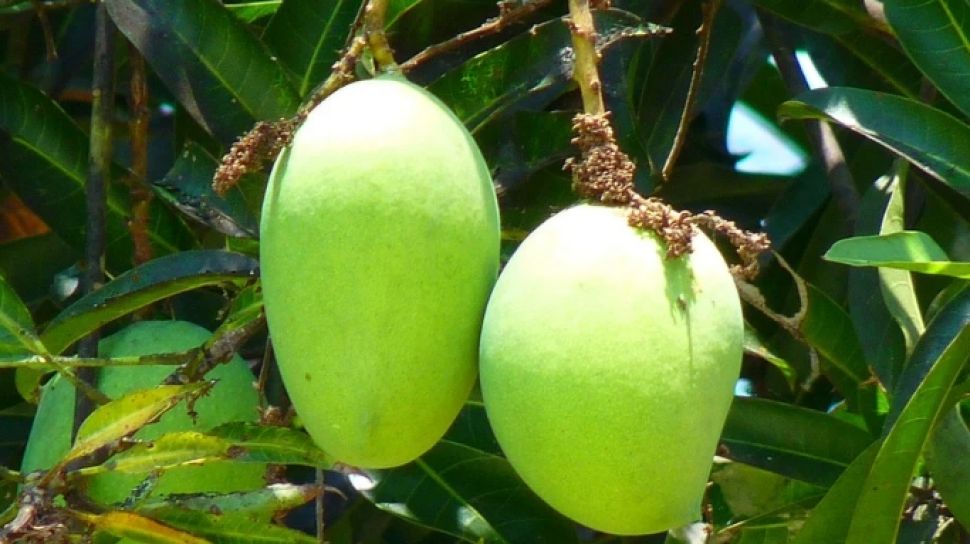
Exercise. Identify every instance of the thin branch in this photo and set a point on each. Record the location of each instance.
(821, 135)
(45, 26)
(508, 16)
(141, 194)
(55, 362)
(585, 71)
(99, 171)
(704, 32)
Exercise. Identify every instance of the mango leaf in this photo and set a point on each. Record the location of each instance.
(188, 187)
(826, 16)
(251, 12)
(258, 503)
(518, 145)
(16, 324)
(764, 535)
(919, 403)
(466, 489)
(307, 36)
(797, 442)
(933, 140)
(885, 60)
(936, 35)
(229, 529)
(948, 459)
(223, 76)
(143, 285)
(754, 346)
(45, 163)
(277, 445)
(124, 416)
(905, 250)
(829, 520)
(897, 285)
(526, 72)
(139, 528)
(163, 453)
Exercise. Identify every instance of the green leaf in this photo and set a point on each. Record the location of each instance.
(125, 416)
(528, 70)
(143, 285)
(188, 187)
(139, 528)
(948, 458)
(905, 250)
(754, 346)
(256, 504)
(936, 35)
(828, 328)
(897, 285)
(519, 145)
(230, 529)
(827, 16)
(933, 140)
(251, 12)
(307, 36)
(168, 451)
(830, 519)
(16, 324)
(797, 442)
(45, 163)
(219, 71)
(468, 493)
(918, 404)
(277, 445)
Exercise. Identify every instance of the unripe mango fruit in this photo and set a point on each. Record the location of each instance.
(379, 246)
(233, 398)
(607, 371)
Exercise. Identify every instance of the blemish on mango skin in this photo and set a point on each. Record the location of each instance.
(307, 376)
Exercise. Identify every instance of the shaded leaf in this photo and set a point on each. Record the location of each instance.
(143, 285)
(754, 346)
(918, 404)
(250, 12)
(827, 16)
(792, 441)
(929, 138)
(277, 445)
(905, 250)
(188, 187)
(124, 416)
(829, 521)
(936, 35)
(221, 73)
(948, 459)
(307, 36)
(45, 163)
(16, 324)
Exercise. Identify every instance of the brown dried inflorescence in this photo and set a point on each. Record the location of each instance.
(605, 174)
(249, 153)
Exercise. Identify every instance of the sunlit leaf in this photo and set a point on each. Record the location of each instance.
(230, 529)
(140, 528)
(905, 250)
(257, 504)
(278, 445)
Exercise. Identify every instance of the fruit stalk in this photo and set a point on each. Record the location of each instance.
(585, 71)
(374, 15)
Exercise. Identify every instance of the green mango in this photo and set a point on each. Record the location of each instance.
(233, 398)
(379, 246)
(607, 370)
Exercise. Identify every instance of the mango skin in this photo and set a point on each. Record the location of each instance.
(379, 246)
(233, 398)
(607, 372)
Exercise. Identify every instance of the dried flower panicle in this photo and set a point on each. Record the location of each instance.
(249, 153)
(605, 174)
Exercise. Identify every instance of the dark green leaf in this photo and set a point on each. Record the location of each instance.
(828, 16)
(16, 325)
(936, 35)
(468, 493)
(929, 138)
(906, 250)
(220, 73)
(948, 458)
(792, 441)
(918, 404)
(307, 36)
(829, 521)
(518, 145)
(277, 445)
(527, 71)
(188, 187)
(143, 285)
(45, 163)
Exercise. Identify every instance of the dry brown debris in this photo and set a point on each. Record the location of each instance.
(604, 173)
(249, 153)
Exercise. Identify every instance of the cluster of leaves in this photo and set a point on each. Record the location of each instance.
(851, 430)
